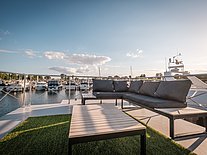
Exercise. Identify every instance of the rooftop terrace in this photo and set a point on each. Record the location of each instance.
(197, 144)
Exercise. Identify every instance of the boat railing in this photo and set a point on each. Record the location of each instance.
(88, 79)
(7, 92)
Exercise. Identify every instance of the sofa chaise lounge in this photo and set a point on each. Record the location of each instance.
(159, 97)
(150, 95)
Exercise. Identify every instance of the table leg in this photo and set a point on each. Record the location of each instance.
(122, 106)
(116, 102)
(143, 144)
(69, 148)
(83, 101)
(205, 122)
(172, 128)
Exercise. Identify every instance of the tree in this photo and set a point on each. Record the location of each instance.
(142, 75)
(158, 74)
(62, 76)
(47, 77)
(116, 77)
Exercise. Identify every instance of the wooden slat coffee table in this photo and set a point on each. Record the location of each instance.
(180, 113)
(99, 122)
(87, 97)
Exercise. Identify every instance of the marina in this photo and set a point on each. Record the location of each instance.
(15, 99)
(39, 93)
(53, 97)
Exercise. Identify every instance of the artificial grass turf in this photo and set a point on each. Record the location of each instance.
(49, 135)
(38, 135)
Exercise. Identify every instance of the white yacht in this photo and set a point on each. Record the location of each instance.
(54, 85)
(16, 86)
(2, 85)
(175, 67)
(72, 86)
(41, 86)
(197, 95)
(84, 86)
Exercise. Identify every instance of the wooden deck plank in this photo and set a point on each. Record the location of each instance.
(161, 123)
(103, 119)
(100, 116)
(197, 144)
(183, 111)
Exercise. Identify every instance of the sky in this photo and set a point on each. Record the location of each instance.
(76, 37)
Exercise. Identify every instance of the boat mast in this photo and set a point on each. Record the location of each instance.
(99, 71)
(24, 91)
(131, 71)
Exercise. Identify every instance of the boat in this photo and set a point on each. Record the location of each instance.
(16, 86)
(2, 85)
(54, 85)
(41, 86)
(175, 68)
(197, 94)
(84, 86)
(70, 86)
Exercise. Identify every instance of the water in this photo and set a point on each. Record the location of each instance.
(10, 103)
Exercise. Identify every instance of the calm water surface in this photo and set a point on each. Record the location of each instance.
(15, 99)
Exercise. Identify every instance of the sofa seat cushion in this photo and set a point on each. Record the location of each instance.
(135, 86)
(173, 90)
(109, 95)
(149, 88)
(120, 86)
(103, 85)
(153, 102)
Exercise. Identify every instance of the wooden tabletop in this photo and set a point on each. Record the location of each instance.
(183, 111)
(92, 120)
(91, 96)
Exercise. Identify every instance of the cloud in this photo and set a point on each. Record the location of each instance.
(136, 54)
(70, 70)
(64, 70)
(30, 53)
(7, 51)
(88, 59)
(54, 55)
(4, 32)
(82, 70)
(85, 59)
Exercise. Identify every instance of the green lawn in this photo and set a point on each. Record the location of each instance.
(49, 135)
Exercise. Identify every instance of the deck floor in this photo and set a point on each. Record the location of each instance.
(197, 144)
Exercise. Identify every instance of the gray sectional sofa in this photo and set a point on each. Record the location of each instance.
(150, 95)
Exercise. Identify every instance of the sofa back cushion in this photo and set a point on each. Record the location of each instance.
(149, 88)
(103, 85)
(120, 86)
(174, 90)
(135, 86)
